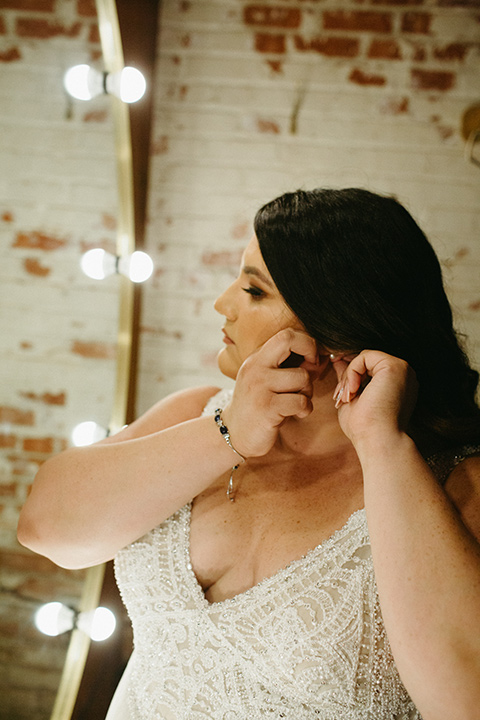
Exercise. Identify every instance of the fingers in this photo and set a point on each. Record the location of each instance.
(279, 347)
(355, 376)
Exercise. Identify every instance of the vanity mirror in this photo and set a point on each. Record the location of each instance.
(68, 350)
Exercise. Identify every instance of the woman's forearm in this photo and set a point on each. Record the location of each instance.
(87, 503)
(427, 567)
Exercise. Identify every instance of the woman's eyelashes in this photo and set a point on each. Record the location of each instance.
(254, 291)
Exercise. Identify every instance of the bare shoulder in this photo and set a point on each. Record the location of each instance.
(463, 489)
(171, 410)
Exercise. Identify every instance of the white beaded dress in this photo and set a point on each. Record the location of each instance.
(306, 643)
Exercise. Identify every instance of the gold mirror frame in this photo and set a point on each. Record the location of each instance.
(112, 52)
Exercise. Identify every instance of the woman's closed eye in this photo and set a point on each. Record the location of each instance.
(254, 291)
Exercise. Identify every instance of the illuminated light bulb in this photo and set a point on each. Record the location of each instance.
(98, 624)
(83, 82)
(88, 432)
(138, 266)
(129, 84)
(54, 618)
(98, 264)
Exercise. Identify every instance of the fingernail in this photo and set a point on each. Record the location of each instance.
(338, 397)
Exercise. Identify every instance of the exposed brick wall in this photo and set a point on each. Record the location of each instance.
(252, 99)
(58, 329)
(257, 98)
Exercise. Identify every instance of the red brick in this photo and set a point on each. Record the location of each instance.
(331, 46)
(10, 55)
(454, 51)
(96, 116)
(99, 350)
(386, 49)
(3, 27)
(7, 441)
(8, 489)
(109, 221)
(94, 34)
(416, 22)
(432, 80)
(267, 43)
(357, 20)
(267, 126)
(275, 65)
(7, 217)
(15, 416)
(41, 28)
(36, 5)
(227, 257)
(160, 146)
(47, 398)
(34, 267)
(38, 445)
(360, 78)
(272, 16)
(419, 53)
(86, 8)
(395, 106)
(38, 241)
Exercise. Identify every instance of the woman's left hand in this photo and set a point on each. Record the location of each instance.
(376, 393)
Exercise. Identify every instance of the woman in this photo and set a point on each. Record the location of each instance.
(314, 550)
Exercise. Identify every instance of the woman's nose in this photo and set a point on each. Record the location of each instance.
(224, 303)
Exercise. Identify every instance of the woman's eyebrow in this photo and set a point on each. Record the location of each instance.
(252, 270)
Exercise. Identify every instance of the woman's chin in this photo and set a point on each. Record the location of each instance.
(226, 364)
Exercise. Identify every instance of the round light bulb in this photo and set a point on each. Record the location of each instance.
(132, 85)
(98, 624)
(97, 264)
(86, 433)
(83, 82)
(54, 618)
(140, 266)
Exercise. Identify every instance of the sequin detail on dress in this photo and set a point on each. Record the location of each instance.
(306, 643)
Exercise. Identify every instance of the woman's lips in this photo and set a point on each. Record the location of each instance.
(226, 339)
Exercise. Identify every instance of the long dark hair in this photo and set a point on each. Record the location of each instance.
(360, 274)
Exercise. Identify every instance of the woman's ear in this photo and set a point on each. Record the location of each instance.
(340, 362)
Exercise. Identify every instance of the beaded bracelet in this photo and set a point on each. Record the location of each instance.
(226, 435)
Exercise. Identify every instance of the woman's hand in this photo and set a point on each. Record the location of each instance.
(376, 393)
(266, 394)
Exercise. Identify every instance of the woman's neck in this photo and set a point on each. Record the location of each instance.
(320, 431)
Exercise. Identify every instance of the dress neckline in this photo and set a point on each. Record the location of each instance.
(357, 518)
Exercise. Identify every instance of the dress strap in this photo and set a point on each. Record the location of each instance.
(444, 462)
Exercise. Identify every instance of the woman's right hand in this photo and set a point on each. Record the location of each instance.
(266, 394)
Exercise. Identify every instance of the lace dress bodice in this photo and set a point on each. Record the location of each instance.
(308, 642)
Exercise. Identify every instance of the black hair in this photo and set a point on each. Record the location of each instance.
(359, 273)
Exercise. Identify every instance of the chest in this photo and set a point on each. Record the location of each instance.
(278, 516)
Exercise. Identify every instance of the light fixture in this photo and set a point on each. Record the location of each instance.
(88, 432)
(55, 618)
(99, 264)
(85, 82)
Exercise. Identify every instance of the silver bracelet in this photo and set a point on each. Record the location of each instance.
(225, 434)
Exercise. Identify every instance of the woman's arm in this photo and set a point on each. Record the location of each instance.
(425, 547)
(89, 502)
(86, 503)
